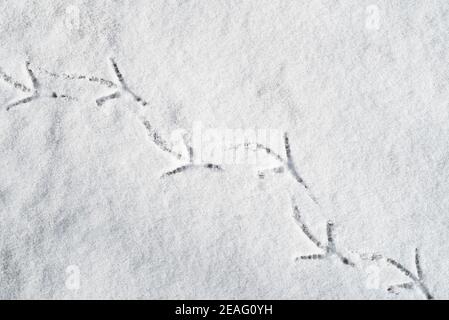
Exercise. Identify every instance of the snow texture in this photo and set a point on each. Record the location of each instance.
(96, 201)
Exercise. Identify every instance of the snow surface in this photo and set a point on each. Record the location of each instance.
(361, 88)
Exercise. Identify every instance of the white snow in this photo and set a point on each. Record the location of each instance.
(361, 88)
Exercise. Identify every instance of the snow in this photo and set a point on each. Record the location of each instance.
(359, 86)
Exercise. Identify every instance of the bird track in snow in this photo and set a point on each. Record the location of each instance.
(36, 89)
(123, 87)
(287, 164)
(191, 164)
(417, 281)
(329, 249)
